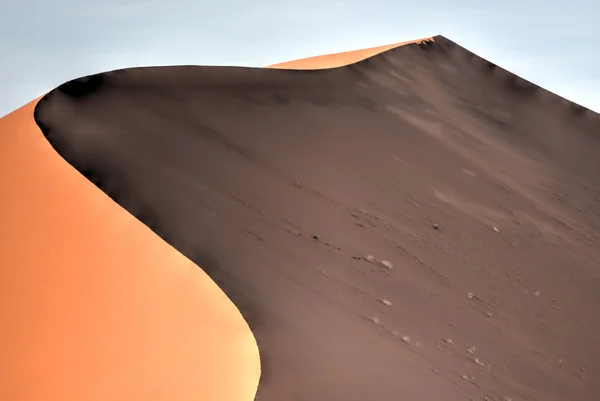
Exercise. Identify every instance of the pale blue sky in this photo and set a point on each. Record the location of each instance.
(554, 43)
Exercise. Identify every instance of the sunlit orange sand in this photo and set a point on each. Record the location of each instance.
(94, 306)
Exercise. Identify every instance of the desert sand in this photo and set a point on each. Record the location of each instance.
(417, 225)
(94, 306)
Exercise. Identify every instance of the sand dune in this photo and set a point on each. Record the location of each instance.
(418, 225)
(94, 306)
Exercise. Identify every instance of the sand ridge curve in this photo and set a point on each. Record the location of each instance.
(421, 222)
(94, 306)
(342, 59)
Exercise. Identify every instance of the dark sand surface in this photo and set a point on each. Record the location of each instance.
(290, 188)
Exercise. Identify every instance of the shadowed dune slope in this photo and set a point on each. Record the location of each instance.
(418, 225)
(93, 305)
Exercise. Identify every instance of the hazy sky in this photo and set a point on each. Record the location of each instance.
(43, 43)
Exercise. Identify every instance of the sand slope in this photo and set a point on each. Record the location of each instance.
(294, 189)
(93, 305)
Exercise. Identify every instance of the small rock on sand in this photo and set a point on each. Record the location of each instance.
(387, 264)
(386, 302)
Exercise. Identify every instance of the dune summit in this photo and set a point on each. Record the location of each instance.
(342, 59)
(416, 225)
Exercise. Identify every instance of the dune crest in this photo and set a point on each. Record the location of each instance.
(336, 60)
(93, 305)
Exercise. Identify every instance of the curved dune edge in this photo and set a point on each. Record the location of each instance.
(342, 59)
(94, 305)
